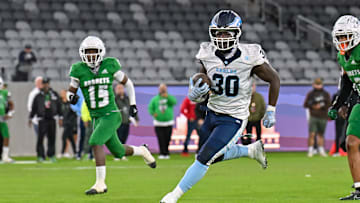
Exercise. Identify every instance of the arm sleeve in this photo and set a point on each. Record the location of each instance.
(129, 86)
(74, 82)
(74, 76)
(119, 76)
(171, 100)
(345, 90)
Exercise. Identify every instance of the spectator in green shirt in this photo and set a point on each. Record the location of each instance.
(161, 108)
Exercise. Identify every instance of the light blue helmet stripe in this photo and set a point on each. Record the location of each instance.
(236, 23)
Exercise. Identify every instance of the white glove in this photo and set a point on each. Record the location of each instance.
(196, 93)
(269, 117)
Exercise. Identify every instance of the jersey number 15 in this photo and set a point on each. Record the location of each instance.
(103, 94)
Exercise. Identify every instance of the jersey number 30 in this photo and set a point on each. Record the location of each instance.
(103, 94)
(231, 85)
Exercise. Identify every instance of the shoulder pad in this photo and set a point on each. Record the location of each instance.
(256, 55)
(205, 51)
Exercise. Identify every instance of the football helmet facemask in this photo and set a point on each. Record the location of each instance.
(225, 29)
(346, 33)
(92, 51)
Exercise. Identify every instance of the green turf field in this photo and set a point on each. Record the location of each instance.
(291, 177)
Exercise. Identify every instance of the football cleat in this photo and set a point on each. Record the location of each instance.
(148, 158)
(353, 196)
(7, 160)
(96, 189)
(169, 198)
(256, 151)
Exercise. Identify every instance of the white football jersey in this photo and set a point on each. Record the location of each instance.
(231, 83)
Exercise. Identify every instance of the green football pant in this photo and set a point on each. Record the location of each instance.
(354, 122)
(105, 133)
(4, 130)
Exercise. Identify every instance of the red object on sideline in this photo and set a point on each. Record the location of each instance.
(333, 150)
(188, 109)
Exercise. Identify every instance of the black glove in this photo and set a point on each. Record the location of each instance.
(74, 99)
(133, 111)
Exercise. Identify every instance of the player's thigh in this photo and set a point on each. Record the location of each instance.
(4, 130)
(104, 128)
(354, 122)
(206, 127)
(222, 137)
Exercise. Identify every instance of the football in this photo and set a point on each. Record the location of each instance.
(205, 79)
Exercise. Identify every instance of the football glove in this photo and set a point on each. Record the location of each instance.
(269, 117)
(195, 91)
(133, 111)
(73, 99)
(333, 114)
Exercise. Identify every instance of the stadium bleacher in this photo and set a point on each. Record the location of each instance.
(157, 39)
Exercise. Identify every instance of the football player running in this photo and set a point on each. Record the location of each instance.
(5, 104)
(346, 38)
(231, 66)
(94, 75)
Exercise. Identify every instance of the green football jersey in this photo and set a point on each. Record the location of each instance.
(97, 87)
(352, 66)
(4, 94)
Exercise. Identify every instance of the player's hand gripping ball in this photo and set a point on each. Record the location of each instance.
(204, 79)
(199, 87)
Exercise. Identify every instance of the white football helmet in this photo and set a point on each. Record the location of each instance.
(92, 59)
(346, 26)
(225, 21)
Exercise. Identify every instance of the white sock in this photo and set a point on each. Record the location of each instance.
(137, 151)
(311, 149)
(177, 192)
(100, 174)
(5, 153)
(321, 149)
(357, 185)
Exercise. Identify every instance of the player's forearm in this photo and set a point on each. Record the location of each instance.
(274, 90)
(345, 90)
(130, 89)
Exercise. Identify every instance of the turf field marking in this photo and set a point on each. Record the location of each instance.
(93, 167)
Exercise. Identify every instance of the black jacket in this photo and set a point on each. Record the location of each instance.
(39, 106)
(27, 58)
(70, 117)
